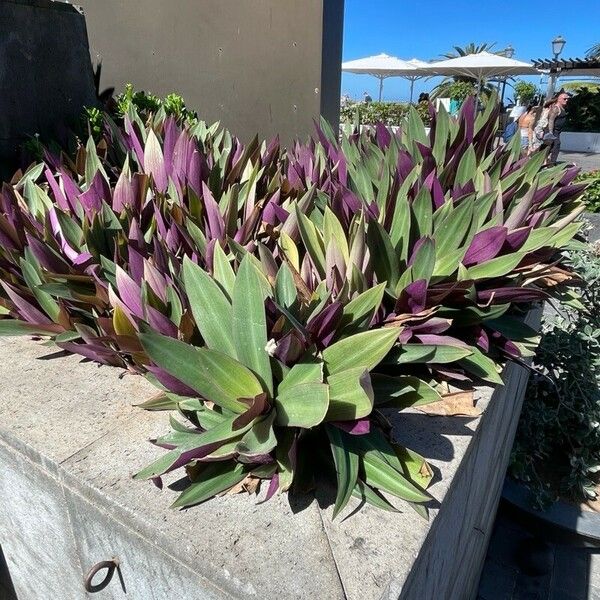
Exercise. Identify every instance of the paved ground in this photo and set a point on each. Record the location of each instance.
(524, 566)
(587, 161)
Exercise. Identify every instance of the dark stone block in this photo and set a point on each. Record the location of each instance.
(46, 75)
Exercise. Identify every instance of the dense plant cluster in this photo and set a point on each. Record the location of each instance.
(591, 195)
(583, 110)
(557, 448)
(282, 299)
(388, 113)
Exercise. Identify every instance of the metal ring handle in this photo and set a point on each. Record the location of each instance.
(110, 566)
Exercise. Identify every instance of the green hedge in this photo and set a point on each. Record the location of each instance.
(388, 113)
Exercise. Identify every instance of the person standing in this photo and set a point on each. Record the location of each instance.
(526, 122)
(551, 124)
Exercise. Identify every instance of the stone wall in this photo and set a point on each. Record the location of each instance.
(70, 441)
(46, 75)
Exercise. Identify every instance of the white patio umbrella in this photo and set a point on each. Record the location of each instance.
(381, 66)
(419, 74)
(481, 66)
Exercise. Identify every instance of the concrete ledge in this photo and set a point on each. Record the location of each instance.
(70, 440)
(579, 141)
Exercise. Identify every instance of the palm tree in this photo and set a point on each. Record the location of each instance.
(594, 51)
(470, 48)
(452, 85)
(459, 84)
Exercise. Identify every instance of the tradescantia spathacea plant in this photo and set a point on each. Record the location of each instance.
(282, 299)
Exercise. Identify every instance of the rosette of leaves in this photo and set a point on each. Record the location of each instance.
(279, 377)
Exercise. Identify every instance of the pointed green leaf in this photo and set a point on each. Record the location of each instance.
(223, 271)
(214, 375)
(402, 392)
(260, 439)
(481, 366)
(362, 349)
(381, 475)
(302, 372)
(210, 307)
(346, 467)
(496, 267)
(302, 405)
(428, 353)
(350, 395)
(249, 323)
(215, 478)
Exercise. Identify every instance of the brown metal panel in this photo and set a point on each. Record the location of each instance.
(255, 65)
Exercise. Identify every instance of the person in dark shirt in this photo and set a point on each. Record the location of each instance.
(367, 98)
(557, 119)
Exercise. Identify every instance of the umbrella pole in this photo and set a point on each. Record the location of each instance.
(412, 84)
(380, 88)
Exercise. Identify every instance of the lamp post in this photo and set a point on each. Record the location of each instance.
(558, 44)
(509, 52)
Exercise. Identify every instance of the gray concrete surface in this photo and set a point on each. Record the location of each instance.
(588, 161)
(45, 72)
(258, 66)
(70, 441)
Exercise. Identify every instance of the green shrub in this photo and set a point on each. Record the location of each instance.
(388, 113)
(525, 91)
(591, 196)
(557, 447)
(583, 111)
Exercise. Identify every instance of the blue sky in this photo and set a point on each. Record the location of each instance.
(416, 29)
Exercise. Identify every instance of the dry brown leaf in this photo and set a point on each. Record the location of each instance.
(457, 403)
(249, 484)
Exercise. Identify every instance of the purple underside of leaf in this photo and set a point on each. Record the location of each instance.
(61, 199)
(383, 135)
(171, 135)
(322, 327)
(48, 259)
(440, 340)
(29, 312)
(92, 352)
(130, 293)
(71, 190)
(193, 454)
(124, 193)
(290, 348)
(133, 141)
(273, 486)
(483, 341)
(273, 214)
(485, 245)
(171, 383)
(158, 482)
(413, 298)
(405, 164)
(432, 183)
(515, 239)
(216, 225)
(160, 322)
(358, 427)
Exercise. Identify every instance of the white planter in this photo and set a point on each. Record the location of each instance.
(571, 141)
